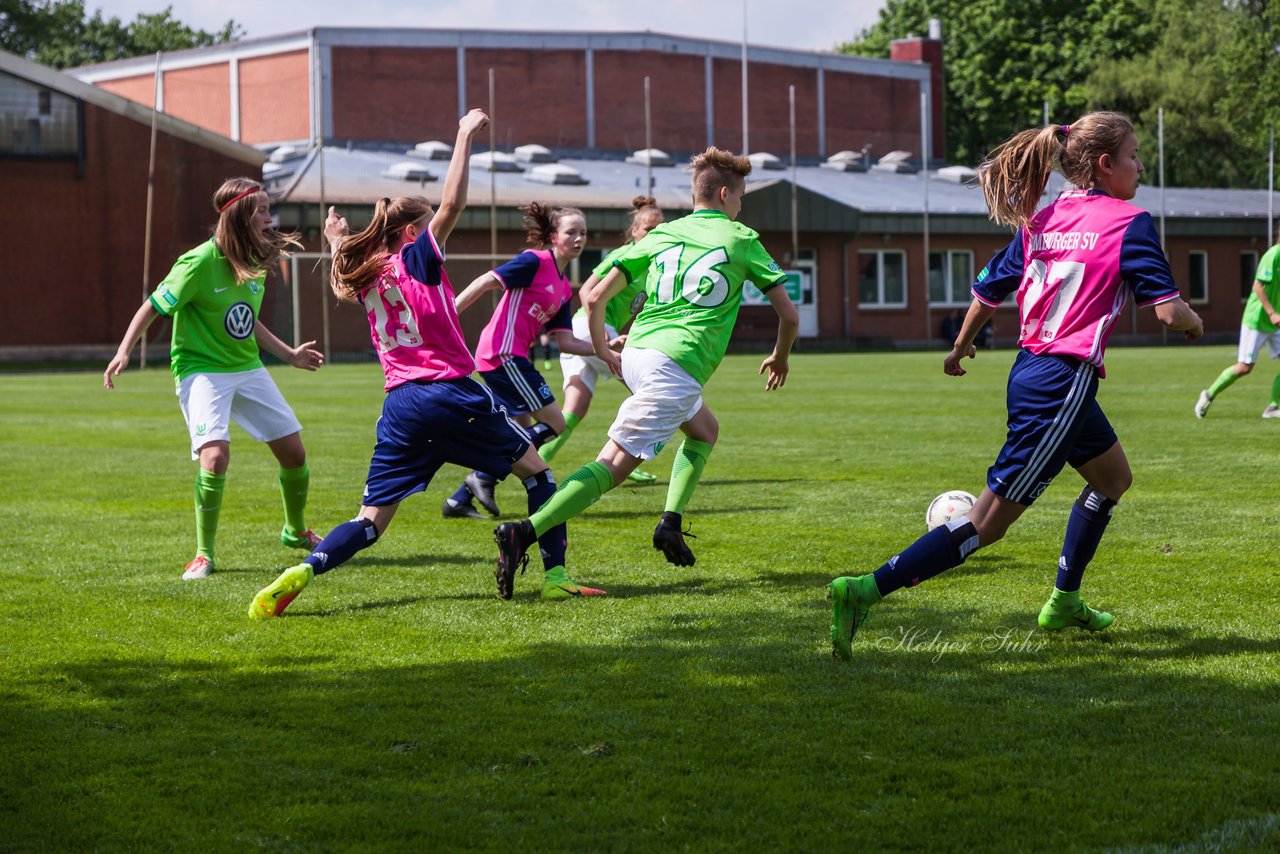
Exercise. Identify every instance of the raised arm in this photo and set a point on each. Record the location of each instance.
(1179, 317)
(142, 318)
(778, 362)
(472, 292)
(454, 196)
(975, 318)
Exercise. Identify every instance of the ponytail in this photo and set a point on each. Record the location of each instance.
(359, 260)
(541, 221)
(642, 207)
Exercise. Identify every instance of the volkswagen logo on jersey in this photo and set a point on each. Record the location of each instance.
(239, 321)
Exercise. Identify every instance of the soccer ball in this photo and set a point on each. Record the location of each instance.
(948, 506)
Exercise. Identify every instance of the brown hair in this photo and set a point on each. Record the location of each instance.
(359, 259)
(716, 168)
(1013, 176)
(541, 221)
(246, 249)
(641, 207)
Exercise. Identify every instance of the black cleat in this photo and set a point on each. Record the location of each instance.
(483, 491)
(465, 510)
(513, 539)
(668, 539)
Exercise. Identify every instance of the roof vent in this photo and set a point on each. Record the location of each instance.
(897, 161)
(846, 161)
(958, 174)
(651, 157)
(765, 160)
(495, 161)
(272, 171)
(408, 170)
(555, 173)
(286, 153)
(432, 149)
(534, 153)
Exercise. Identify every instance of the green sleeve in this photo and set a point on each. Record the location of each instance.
(1267, 266)
(634, 260)
(178, 287)
(606, 264)
(762, 270)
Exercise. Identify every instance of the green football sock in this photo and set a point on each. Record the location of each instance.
(208, 505)
(686, 471)
(578, 492)
(1224, 379)
(293, 489)
(1275, 391)
(549, 450)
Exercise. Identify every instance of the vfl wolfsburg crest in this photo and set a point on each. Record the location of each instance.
(239, 321)
(253, 287)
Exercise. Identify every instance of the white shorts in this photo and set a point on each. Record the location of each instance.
(210, 402)
(1251, 341)
(589, 369)
(663, 396)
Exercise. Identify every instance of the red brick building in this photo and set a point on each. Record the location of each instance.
(74, 169)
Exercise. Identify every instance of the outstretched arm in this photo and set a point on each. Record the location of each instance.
(454, 196)
(594, 301)
(1179, 317)
(142, 318)
(976, 318)
(472, 292)
(778, 362)
(304, 356)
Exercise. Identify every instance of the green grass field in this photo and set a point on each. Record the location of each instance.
(400, 704)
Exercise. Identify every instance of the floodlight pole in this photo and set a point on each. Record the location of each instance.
(924, 175)
(324, 298)
(493, 173)
(151, 191)
(1164, 330)
(648, 141)
(795, 208)
(746, 147)
(1271, 184)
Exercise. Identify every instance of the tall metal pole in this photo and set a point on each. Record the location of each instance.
(1271, 185)
(1160, 137)
(324, 292)
(795, 206)
(151, 191)
(924, 174)
(746, 146)
(493, 174)
(648, 140)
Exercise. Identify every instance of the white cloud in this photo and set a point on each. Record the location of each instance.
(804, 24)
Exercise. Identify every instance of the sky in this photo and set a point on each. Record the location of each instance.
(803, 24)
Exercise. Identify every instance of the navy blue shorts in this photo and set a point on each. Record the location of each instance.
(518, 386)
(1054, 419)
(425, 425)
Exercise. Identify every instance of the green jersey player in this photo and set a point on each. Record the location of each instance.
(1259, 325)
(214, 293)
(693, 271)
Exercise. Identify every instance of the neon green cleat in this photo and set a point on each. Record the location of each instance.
(556, 584)
(1063, 611)
(307, 539)
(851, 601)
(641, 476)
(271, 601)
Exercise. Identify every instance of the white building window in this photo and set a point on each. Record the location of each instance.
(882, 278)
(950, 277)
(1248, 269)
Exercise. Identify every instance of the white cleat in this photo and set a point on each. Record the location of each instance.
(1202, 405)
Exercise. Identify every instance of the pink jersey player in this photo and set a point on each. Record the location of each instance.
(536, 296)
(412, 321)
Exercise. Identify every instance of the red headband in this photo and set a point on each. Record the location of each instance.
(239, 197)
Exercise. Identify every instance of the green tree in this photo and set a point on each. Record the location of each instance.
(1213, 67)
(59, 33)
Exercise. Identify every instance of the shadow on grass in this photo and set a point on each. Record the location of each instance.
(648, 736)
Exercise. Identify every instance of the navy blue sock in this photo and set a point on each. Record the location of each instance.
(462, 496)
(484, 478)
(937, 551)
(541, 434)
(555, 542)
(1089, 517)
(342, 544)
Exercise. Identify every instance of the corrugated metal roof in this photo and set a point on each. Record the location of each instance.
(356, 176)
